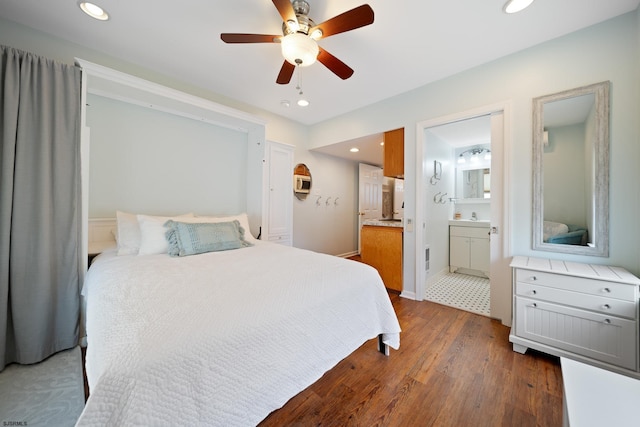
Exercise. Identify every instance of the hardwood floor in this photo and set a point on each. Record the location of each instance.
(453, 368)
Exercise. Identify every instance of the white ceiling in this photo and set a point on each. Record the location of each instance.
(411, 43)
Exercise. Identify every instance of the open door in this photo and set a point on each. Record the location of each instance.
(370, 180)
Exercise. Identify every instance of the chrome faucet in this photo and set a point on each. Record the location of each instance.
(474, 217)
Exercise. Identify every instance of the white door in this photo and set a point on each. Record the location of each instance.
(280, 196)
(500, 272)
(370, 180)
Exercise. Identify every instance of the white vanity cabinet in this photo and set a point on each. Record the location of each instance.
(278, 194)
(584, 312)
(469, 247)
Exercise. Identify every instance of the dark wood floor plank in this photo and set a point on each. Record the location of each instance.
(453, 369)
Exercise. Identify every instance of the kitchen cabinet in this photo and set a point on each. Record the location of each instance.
(584, 312)
(469, 248)
(393, 165)
(278, 197)
(381, 248)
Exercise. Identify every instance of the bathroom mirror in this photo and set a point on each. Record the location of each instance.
(473, 183)
(301, 181)
(571, 171)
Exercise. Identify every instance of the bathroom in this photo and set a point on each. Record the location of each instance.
(458, 213)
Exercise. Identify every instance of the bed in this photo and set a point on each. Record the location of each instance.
(222, 337)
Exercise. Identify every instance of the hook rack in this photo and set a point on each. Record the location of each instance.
(437, 172)
(439, 198)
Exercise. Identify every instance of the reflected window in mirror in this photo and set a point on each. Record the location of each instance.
(571, 171)
(301, 181)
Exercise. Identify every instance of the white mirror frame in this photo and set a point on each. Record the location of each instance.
(601, 171)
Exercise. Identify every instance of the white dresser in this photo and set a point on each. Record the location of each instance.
(584, 312)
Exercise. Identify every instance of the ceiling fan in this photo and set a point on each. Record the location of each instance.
(300, 34)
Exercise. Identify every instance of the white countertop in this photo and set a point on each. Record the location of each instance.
(470, 222)
(382, 223)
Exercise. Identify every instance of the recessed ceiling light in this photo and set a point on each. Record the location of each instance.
(93, 10)
(354, 150)
(514, 6)
(303, 102)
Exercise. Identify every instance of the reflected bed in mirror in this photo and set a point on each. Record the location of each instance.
(571, 171)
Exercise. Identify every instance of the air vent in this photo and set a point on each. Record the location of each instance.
(427, 254)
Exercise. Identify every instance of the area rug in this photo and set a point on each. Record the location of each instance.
(469, 293)
(49, 393)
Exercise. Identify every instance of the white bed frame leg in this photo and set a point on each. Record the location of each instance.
(382, 347)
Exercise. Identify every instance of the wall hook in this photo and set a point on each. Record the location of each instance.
(318, 200)
(335, 201)
(327, 201)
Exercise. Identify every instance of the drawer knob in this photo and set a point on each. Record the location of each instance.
(534, 292)
(607, 290)
(606, 306)
(607, 321)
(534, 305)
(534, 278)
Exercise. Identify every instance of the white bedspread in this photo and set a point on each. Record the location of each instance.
(222, 338)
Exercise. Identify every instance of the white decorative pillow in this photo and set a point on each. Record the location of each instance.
(242, 218)
(152, 233)
(551, 228)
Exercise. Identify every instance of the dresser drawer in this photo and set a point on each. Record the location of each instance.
(606, 338)
(601, 304)
(578, 284)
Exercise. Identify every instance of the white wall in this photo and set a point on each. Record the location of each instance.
(607, 51)
(138, 151)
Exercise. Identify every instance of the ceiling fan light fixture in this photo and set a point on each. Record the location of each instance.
(299, 49)
(515, 6)
(93, 10)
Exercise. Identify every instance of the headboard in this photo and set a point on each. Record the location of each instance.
(101, 235)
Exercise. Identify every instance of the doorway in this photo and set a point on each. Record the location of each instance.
(433, 241)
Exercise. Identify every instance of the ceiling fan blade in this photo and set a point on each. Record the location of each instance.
(249, 38)
(347, 21)
(286, 72)
(285, 8)
(338, 67)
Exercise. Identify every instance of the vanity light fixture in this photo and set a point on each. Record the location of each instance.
(515, 6)
(93, 10)
(474, 155)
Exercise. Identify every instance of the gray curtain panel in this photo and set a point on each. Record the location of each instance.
(39, 206)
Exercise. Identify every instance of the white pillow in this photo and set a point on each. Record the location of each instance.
(242, 218)
(152, 233)
(128, 233)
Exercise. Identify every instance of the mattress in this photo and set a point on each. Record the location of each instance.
(222, 338)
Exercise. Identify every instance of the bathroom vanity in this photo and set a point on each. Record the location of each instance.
(469, 246)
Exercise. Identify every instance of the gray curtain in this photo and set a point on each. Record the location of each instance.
(39, 206)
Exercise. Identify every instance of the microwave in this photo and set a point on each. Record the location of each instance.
(301, 183)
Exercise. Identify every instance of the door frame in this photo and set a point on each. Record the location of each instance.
(500, 266)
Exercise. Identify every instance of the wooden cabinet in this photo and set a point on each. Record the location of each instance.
(394, 153)
(381, 247)
(469, 248)
(278, 197)
(581, 311)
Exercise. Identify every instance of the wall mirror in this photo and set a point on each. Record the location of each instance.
(301, 181)
(571, 171)
(473, 184)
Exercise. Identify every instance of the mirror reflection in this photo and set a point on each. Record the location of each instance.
(473, 173)
(571, 171)
(301, 181)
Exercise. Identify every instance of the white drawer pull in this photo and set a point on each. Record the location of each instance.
(534, 292)
(534, 305)
(607, 290)
(607, 321)
(606, 306)
(534, 278)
